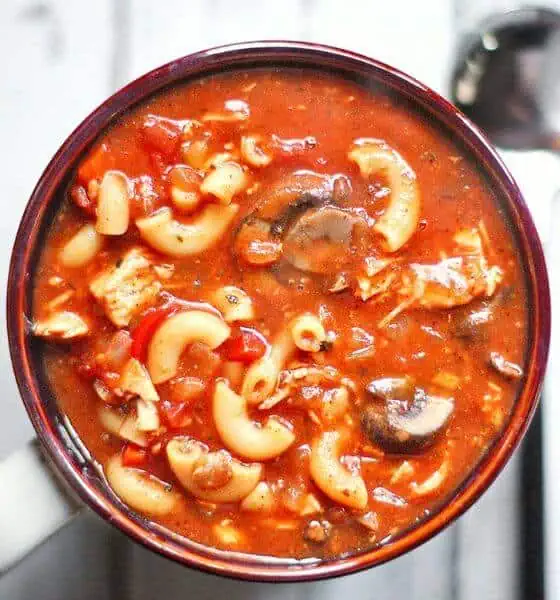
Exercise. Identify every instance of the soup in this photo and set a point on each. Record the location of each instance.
(284, 312)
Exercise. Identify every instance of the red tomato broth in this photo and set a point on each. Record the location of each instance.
(293, 105)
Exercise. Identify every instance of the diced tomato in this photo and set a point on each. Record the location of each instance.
(143, 333)
(174, 413)
(134, 456)
(96, 163)
(186, 389)
(201, 361)
(245, 346)
(161, 135)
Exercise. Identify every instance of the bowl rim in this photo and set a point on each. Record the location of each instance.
(70, 466)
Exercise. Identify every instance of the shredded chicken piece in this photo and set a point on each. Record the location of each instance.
(127, 288)
(340, 283)
(60, 299)
(290, 379)
(61, 326)
(375, 265)
(368, 288)
(433, 482)
(453, 281)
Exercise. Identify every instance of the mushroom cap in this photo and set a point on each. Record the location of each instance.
(320, 239)
(300, 190)
(401, 425)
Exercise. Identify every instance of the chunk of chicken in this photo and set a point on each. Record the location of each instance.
(127, 288)
(62, 326)
(457, 280)
(454, 281)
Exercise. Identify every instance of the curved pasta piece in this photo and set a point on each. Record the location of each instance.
(252, 151)
(331, 477)
(226, 181)
(171, 237)
(80, 249)
(399, 222)
(308, 332)
(175, 334)
(261, 499)
(183, 456)
(234, 304)
(261, 377)
(113, 211)
(242, 435)
(141, 491)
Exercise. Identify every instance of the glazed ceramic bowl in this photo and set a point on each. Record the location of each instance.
(72, 461)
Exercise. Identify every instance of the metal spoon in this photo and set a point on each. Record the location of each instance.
(507, 79)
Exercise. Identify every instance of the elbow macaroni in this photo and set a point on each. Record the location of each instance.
(173, 238)
(399, 222)
(305, 332)
(234, 304)
(225, 181)
(184, 455)
(81, 248)
(142, 492)
(252, 153)
(113, 211)
(331, 477)
(261, 499)
(175, 333)
(184, 200)
(308, 333)
(242, 435)
(262, 376)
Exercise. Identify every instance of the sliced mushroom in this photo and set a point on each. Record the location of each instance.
(474, 324)
(320, 240)
(404, 423)
(471, 324)
(508, 369)
(293, 194)
(294, 216)
(392, 388)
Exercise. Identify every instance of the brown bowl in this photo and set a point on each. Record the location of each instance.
(61, 443)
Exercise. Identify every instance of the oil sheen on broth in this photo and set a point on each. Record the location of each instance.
(284, 313)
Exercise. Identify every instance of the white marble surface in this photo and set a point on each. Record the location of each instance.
(59, 59)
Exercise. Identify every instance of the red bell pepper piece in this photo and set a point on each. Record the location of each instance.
(134, 456)
(96, 163)
(143, 333)
(161, 135)
(247, 345)
(173, 413)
